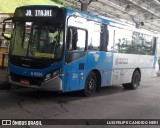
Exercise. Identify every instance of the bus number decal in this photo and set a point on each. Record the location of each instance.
(74, 76)
(36, 74)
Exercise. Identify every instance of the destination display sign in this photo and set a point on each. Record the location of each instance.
(39, 11)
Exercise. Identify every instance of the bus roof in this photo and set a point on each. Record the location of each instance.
(110, 21)
(90, 16)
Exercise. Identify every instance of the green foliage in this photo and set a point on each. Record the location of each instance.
(58, 2)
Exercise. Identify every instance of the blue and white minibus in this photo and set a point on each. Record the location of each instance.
(60, 49)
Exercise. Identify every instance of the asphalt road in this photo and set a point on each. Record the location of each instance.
(112, 102)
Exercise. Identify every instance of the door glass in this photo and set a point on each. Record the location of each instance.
(76, 39)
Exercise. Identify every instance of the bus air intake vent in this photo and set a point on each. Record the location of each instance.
(81, 66)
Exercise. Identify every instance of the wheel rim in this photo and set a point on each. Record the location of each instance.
(91, 84)
(136, 80)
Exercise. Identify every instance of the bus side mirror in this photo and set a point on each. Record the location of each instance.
(7, 28)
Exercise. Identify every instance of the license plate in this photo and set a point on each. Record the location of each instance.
(26, 82)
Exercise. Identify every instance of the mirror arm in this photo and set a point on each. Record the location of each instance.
(7, 38)
(4, 26)
(10, 18)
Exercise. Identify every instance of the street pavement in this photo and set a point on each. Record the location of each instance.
(111, 102)
(3, 84)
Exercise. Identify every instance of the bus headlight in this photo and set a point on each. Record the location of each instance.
(48, 76)
(55, 73)
(52, 74)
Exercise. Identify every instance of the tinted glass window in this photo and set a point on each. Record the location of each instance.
(123, 40)
(76, 39)
(94, 37)
(131, 42)
(40, 40)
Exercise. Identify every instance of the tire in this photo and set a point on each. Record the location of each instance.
(126, 86)
(90, 85)
(136, 77)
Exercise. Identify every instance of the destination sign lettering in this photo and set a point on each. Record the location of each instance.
(40, 13)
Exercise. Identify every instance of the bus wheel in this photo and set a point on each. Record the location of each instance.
(90, 84)
(135, 81)
(126, 86)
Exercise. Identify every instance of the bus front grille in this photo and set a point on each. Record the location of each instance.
(32, 80)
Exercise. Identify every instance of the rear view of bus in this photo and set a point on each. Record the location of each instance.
(36, 44)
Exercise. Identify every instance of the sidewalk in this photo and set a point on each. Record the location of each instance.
(3, 84)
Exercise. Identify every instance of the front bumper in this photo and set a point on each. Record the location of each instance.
(54, 84)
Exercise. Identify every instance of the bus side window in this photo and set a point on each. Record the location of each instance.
(76, 44)
(149, 44)
(94, 35)
(111, 39)
(123, 40)
(104, 37)
(76, 39)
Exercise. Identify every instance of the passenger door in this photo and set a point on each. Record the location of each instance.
(75, 57)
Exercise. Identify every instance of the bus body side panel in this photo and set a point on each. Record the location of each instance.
(96, 60)
(75, 74)
(125, 64)
(102, 62)
(75, 70)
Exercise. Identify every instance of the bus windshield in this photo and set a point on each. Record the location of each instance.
(37, 40)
